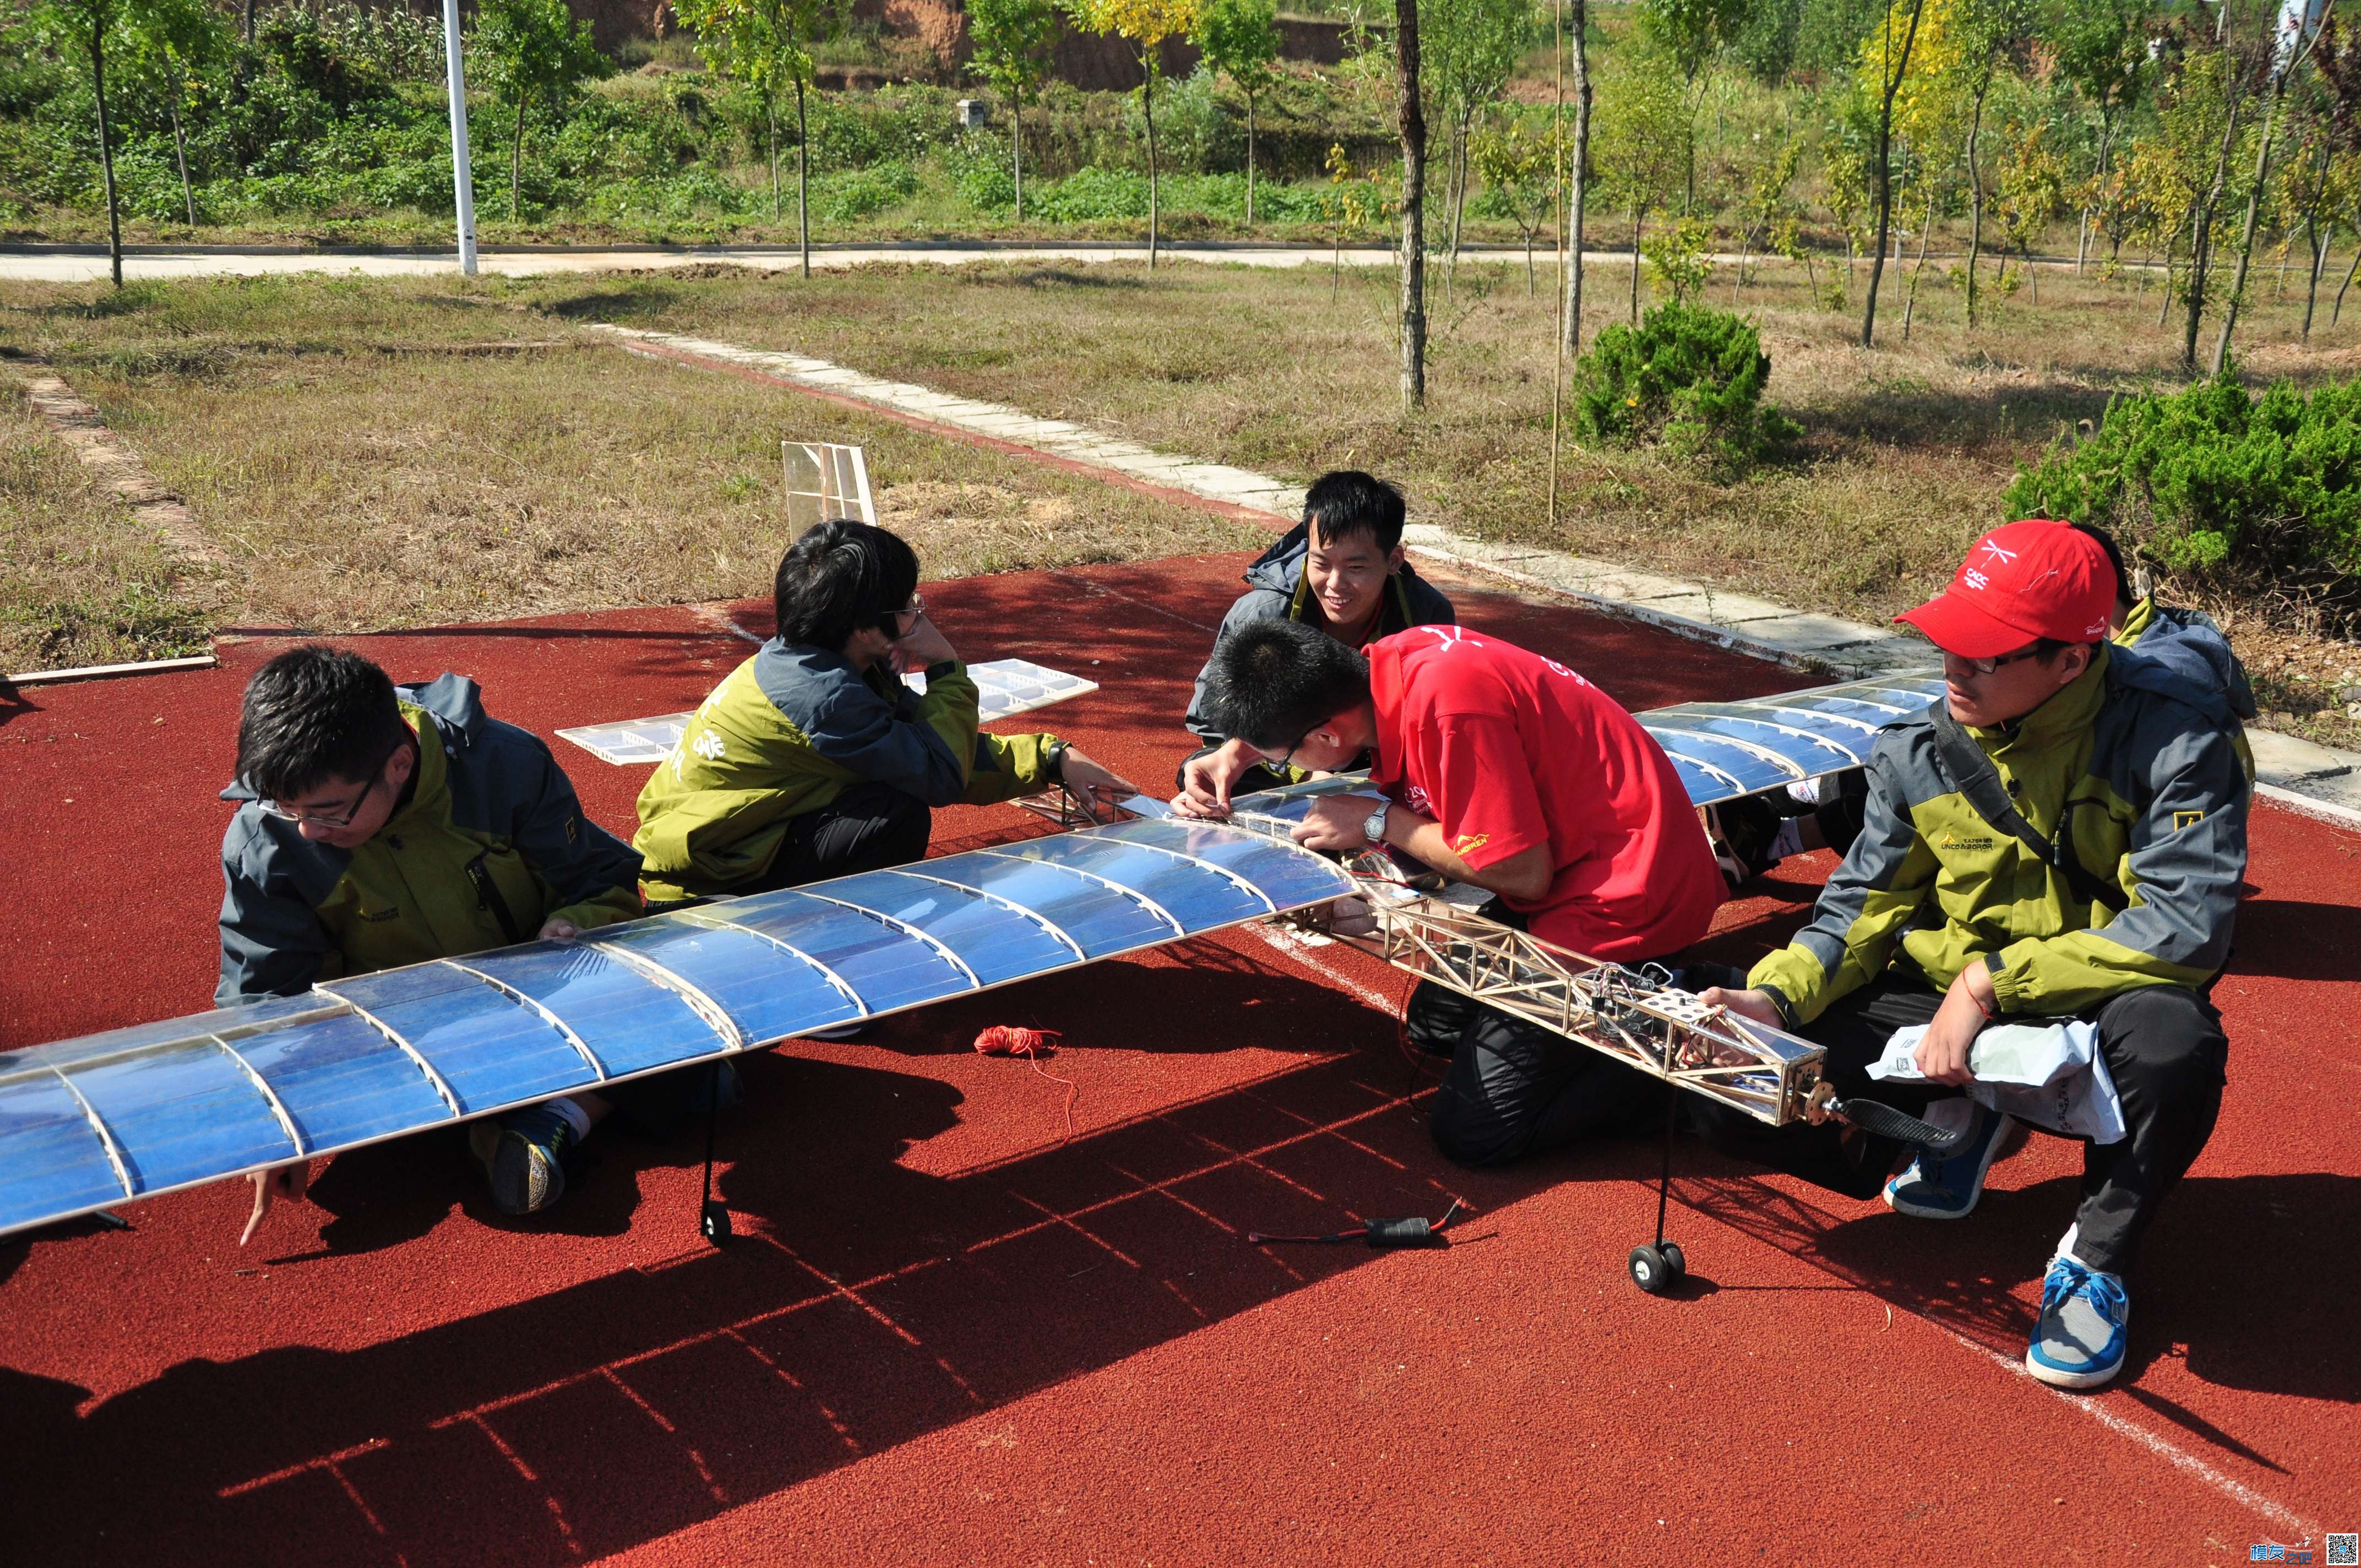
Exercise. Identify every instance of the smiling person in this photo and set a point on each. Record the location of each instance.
(2062, 836)
(1341, 570)
(814, 759)
(382, 825)
(1508, 771)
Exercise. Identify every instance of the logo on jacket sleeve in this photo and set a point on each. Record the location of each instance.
(709, 746)
(2186, 819)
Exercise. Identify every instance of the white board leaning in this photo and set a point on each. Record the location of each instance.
(825, 481)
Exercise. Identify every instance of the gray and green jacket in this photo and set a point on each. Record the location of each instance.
(489, 845)
(2134, 761)
(790, 729)
(2192, 645)
(1276, 591)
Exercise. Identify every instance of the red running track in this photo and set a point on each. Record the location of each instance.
(946, 1337)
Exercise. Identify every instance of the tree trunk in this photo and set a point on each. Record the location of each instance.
(1746, 238)
(1147, 111)
(2246, 237)
(2164, 303)
(1910, 299)
(1578, 182)
(2337, 314)
(1250, 159)
(1532, 282)
(106, 151)
(1891, 85)
(1458, 201)
(181, 156)
(1017, 149)
(2312, 237)
(2201, 231)
(771, 133)
(516, 158)
(803, 180)
(1411, 117)
(1639, 217)
(249, 24)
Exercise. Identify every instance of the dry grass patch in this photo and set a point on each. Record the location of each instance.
(379, 456)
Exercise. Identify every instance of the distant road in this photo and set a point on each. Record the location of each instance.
(81, 264)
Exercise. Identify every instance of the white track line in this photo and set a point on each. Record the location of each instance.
(1370, 995)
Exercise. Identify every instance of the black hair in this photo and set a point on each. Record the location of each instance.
(2046, 648)
(1274, 682)
(2106, 543)
(1349, 501)
(313, 714)
(841, 577)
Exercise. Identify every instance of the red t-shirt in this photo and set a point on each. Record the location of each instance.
(1507, 750)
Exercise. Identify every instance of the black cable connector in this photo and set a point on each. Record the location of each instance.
(1414, 1232)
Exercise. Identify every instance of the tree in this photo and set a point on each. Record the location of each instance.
(2100, 47)
(1887, 53)
(1766, 205)
(1470, 48)
(2284, 50)
(1692, 33)
(1011, 40)
(1144, 25)
(80, 30)
(170, 43)
(1572, 17)
(765, 44)
(1643, 140)
(1410, 118)
(1518, 168)
(539, 55)
(1240, 39)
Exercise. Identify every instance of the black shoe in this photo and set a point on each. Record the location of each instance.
(1742, 831)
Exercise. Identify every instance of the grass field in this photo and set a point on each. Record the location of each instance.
(396, 452)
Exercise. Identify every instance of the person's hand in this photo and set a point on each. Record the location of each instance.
(1754, 1004)
(1333, 823)
(559, 929)
(925, 646)
(1206, 780)
(1093, 783)
(287, 1182)
(1351, 917)
(1942, 1053)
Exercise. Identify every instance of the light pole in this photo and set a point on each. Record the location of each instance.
(463, 179)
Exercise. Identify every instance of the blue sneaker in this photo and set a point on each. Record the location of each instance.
(2081, 1339)
(524, 1153)
(1946, 1189)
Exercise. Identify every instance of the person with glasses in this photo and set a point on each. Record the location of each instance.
(2061, 836)
(380, 826)
(814, 758)
(1509, 772)
(1342, 569)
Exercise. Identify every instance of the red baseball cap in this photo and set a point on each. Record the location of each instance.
(2021, 581)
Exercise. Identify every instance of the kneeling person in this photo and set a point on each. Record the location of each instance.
(1499, 768)
(1946, 913)
(813, 758)
(382, 825)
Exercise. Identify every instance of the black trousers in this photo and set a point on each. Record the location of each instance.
(2165, 1049)
(866, 829)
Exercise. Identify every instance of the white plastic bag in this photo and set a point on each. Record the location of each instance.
(2052, 1075)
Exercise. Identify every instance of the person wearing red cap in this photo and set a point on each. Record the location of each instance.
(2062, 836)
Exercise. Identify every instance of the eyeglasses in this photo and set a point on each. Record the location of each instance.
(322, 820)
(1986, 666)
(906, 621)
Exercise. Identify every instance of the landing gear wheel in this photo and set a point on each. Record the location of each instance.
(715, 1222)
(1672, 1258)
(1650, 1271)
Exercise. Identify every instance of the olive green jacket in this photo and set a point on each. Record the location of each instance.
(2131, 767)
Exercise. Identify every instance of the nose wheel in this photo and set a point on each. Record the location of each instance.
(1656, 1268)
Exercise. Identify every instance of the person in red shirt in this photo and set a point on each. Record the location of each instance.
(1502, 769)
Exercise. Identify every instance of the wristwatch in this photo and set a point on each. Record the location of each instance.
(1373, 827)
(1053, 761)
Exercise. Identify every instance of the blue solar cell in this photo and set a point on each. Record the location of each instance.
(1289, 878)
(183, 1113)
(490, 1048)
(164, 1031)
(1704, 788)
(996, 941)
(629, 1022)
(54, 1161)
(1873, 714)
(1750, 770)
(341, 1081)
(1100, 919)
(1807, 755)
(769, 992)
(1198, 896)
(885, 968)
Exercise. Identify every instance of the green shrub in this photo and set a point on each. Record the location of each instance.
(1688, 377)
(2220, 488)
(859, 193)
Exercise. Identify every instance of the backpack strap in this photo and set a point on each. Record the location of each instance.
(1973, 775)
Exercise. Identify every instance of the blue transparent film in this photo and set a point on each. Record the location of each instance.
(1845, 730)
(629, 1021)
(490, 1048)
(1200, 897)
(65, 1053)
(1752, 770)
(996, 941)
(886, 967)
(183, 1113)
(1807, 755)
(1801, 706)
(1705, 788)
(1289, 877)
(768, 992)
(54, 1161)
(342, 1081)
(1912, 695)
(1101, 919)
